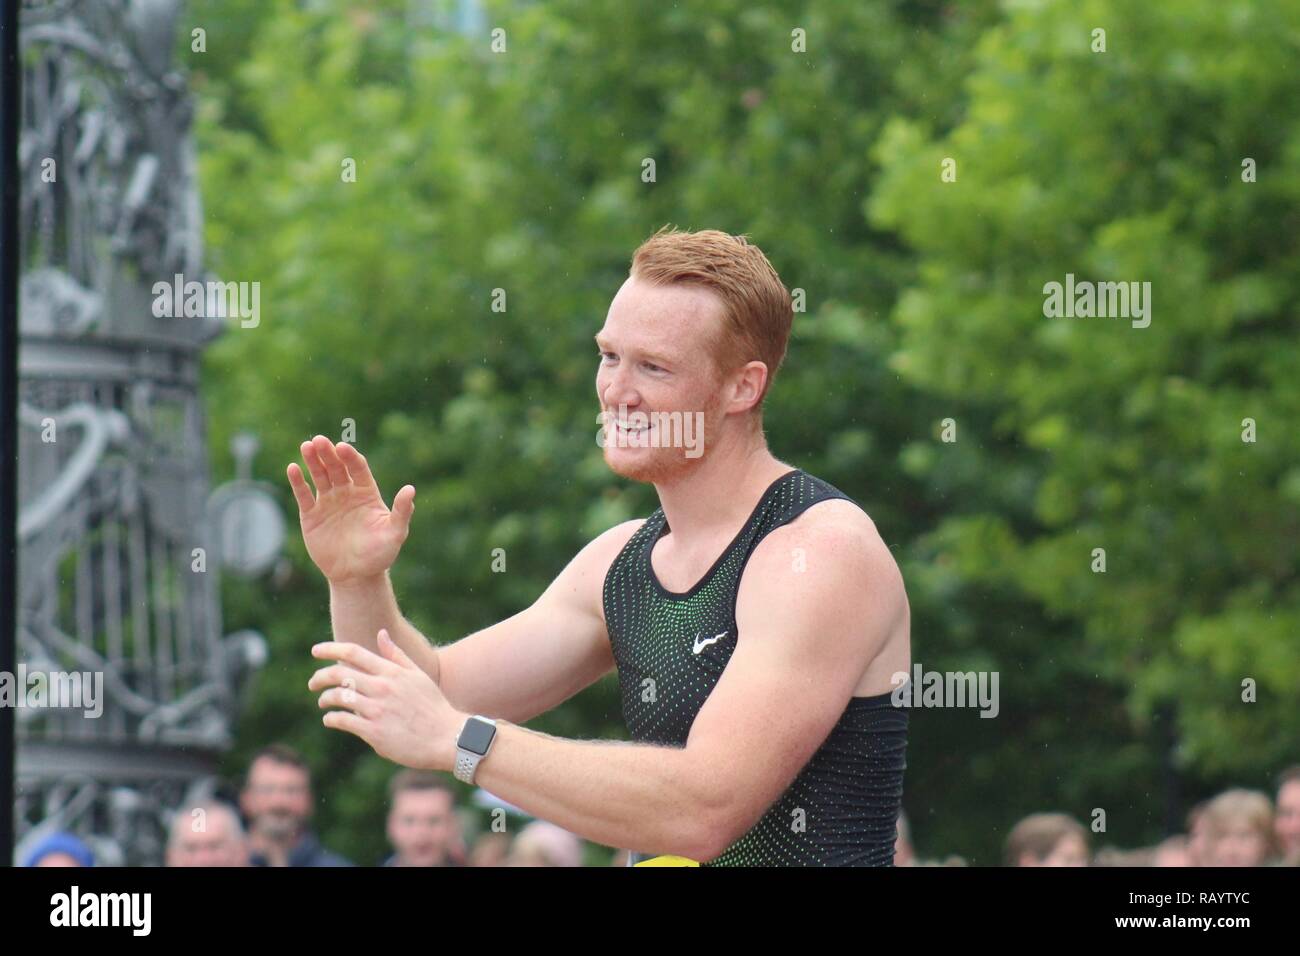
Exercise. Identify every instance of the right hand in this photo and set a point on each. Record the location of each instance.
(349, 532)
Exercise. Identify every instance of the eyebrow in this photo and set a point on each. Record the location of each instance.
(652, 357)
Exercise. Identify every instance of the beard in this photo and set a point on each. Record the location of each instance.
(660, 465)
(649, 465)
(278, 825)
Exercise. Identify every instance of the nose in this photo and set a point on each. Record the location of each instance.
(615, 388)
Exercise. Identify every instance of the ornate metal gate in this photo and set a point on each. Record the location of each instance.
(117, 560)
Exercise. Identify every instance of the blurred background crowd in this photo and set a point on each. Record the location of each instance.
(268, 823)
(1238, 827)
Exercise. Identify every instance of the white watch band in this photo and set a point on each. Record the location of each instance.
(467, 761)
(466, 764)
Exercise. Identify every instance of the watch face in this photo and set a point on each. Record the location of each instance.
(476, 736)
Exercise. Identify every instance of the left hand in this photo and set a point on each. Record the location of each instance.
(389, 702)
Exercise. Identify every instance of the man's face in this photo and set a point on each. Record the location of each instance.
(1287, 822)
(422, 827)
(1069, 851)
(277, 799)
(216, 844)
(656, 358)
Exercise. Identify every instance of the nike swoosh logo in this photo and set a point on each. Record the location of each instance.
(702, 644)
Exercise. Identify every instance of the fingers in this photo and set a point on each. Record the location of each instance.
(354, 655)
(334, 467)
(338, 675)
(349, 700)
(404, 505)
(342, 720)
(319, 476)
(358, 469)
(388, 647)
(301, 490)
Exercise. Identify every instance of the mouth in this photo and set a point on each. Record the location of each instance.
(628, 429)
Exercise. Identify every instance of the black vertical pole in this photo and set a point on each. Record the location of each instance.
(9, 179)
(1167, 727)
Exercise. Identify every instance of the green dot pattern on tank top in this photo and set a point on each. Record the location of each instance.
(670, 650)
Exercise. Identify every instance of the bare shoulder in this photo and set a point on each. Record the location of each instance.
(599, 555)
(582, 581)
(606, 545)
(839, 543)
(835, 526)
(600, 551)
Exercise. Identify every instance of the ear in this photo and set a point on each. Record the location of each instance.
(747, 387)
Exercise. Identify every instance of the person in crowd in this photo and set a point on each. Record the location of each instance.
(1112, 856)
(903, 852)
(1198, 830)
(277, 801)
(60, 849)
(207, 834)
(544, 844)
(422, 825)
(1173, 851)
(1286, 821)
(493, 849)
(1240, 829)
(1047, 839)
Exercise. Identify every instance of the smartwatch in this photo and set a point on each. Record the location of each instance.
(473, 745)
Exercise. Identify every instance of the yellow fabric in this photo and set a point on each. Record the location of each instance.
(667, 861)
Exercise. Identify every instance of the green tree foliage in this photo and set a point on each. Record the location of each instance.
(1090, 433)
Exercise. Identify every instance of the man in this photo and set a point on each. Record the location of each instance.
(277, 801)
(422, 825)
(781, 748)
(1047, 839)
(207, 834)
(1286, 823)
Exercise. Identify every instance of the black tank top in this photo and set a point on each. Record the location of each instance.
(670, 650)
